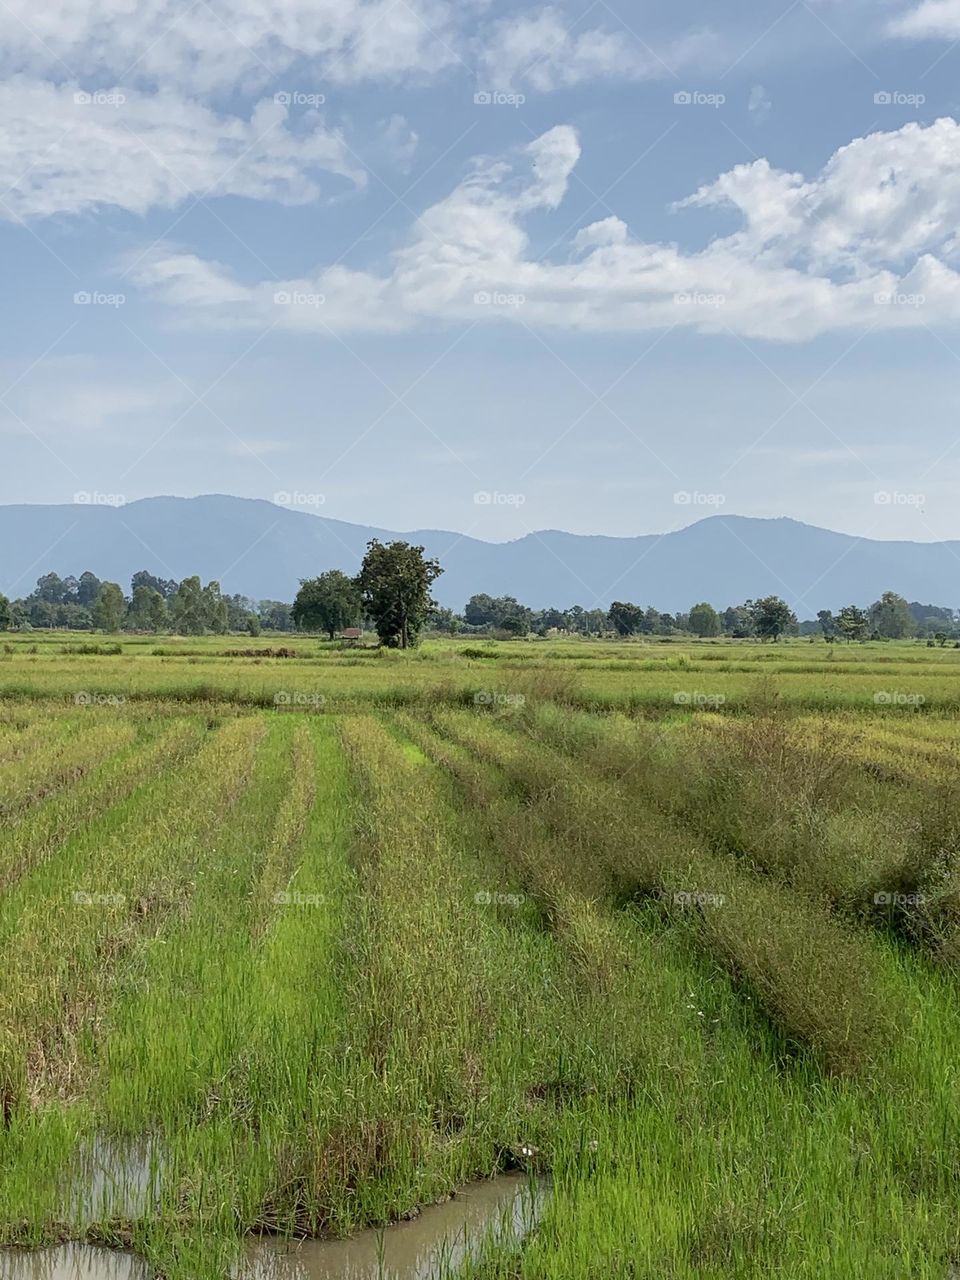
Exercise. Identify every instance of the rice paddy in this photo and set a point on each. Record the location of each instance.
(664, 936)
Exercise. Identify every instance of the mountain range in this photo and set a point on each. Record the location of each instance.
(262, 550)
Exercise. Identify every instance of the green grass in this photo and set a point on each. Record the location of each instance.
(605, 912)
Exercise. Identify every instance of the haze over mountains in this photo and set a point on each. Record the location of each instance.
(263, 550)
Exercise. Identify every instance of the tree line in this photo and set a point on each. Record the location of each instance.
(153, 604)
(391, 595)
(891, 617)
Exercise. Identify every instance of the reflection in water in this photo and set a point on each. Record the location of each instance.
(113, 1178)
(445, 1234)
(70, 1262)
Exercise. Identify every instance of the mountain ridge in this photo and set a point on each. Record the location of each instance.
(256, 547)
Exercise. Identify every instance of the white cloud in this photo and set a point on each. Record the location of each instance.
(931, 18)
(547, 51)
(870, 241)
(138, 151)
(150, 136)
(217, 45)
(881, 200)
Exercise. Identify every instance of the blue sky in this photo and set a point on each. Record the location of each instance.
(487, 267)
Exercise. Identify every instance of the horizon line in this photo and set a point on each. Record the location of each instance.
(461, 534)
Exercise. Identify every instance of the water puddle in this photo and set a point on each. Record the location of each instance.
(443, 1236)
(71, 1262)
(113, 1179)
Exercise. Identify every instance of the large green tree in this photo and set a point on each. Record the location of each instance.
(626, 618)
(147, 609)
(704, 620)
(394, 582)
(852, 622)
(88, 588)
(109, 606)
(187, 608)
(481, 611)
(771, 617)
(328, 603)
(503, 612)
(891, 617)
(216, 613)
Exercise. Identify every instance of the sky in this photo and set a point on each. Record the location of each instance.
(488, 267)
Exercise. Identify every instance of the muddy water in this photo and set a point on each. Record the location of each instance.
(443, 1235)
(71, 1262)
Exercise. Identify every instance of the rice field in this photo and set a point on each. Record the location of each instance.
(294, 946)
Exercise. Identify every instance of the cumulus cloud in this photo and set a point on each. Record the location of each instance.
(930, 19)
(881, 200)
(870, 241)
(64, 150)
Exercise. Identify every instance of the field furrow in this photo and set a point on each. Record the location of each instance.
(300, 938)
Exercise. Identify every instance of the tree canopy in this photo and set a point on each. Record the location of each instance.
(328, 603)
(394, 581)
(704, 620)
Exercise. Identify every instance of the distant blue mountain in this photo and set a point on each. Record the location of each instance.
(263, 550)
